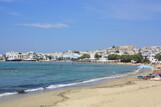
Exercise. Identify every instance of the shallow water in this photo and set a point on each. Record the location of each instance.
(37, 76)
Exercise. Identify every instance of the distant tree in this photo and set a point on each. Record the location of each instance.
(85, 56)
(158, 56)
(126, 58)
(113, 57)
(113, 46)
(97, 56)
(138, 58)
(49, 57)
(146, 60)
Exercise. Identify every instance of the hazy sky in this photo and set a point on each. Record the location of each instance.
(58, 25)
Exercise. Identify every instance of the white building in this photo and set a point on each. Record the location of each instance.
(103, 60)
(18, 56)
(70, 55)
(13, 56)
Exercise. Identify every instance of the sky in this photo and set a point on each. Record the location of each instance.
(59, 25)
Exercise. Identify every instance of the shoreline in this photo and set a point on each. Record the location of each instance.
(83, 62)
(60, 94)
(73, 84)
(54, 87)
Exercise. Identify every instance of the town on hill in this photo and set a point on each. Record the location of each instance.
(114, 54)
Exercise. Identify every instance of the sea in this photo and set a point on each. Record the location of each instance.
(27, 77)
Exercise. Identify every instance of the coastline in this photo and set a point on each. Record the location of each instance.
(80, 62)
(59, 97)
(87, 82)
(53, 87)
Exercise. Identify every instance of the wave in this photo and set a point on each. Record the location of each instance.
(83, 82)
(35, 89)
(8, 94)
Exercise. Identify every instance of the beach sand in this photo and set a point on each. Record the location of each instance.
(124, 92)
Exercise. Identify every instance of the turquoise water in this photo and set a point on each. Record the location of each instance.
(33, 76)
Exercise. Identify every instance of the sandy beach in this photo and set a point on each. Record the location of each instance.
(124, 92)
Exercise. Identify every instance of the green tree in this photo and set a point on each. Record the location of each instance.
(126, 58)
(113, 57)
(97, 56)
(138, 58)
(113, 46)
(158, 56)
(146, 60)
(85, 56)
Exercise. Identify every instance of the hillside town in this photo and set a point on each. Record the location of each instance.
(130, 54)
